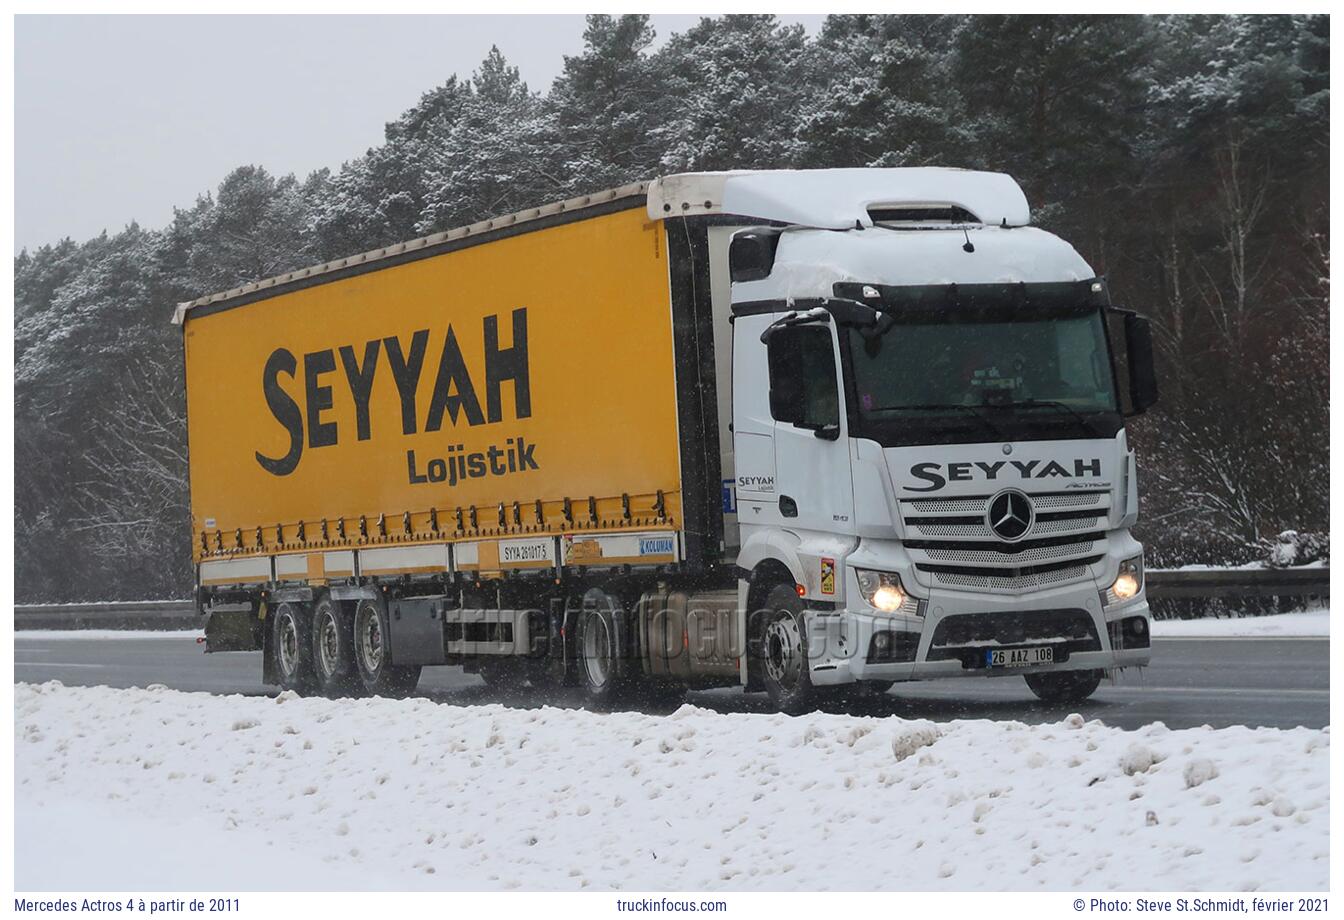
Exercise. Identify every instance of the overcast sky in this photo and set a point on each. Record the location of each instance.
(122, 117)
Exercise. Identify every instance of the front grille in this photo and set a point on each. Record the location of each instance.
(1000, 554)
(974, 505)
(950, 540)
(1069, 500)
(962, 635)
(1010, 583)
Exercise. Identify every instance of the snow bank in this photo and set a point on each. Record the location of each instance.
(246, 793)
(1279, 625)
(45, 634)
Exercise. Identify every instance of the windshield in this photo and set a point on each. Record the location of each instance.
(1006, 375)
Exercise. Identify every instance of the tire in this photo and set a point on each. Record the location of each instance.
(333, 648)
(292, 648)
(602, 674)
(377, 675)
(783, 648)
(1064, 686)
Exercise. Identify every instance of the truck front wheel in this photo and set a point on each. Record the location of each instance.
(784, 647)
(377, 674)
(1064, 686)
(292, 648)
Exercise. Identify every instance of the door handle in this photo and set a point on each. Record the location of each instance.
(787, 506)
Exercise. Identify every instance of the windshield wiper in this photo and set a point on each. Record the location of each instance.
(1082, 420)
(961, 407)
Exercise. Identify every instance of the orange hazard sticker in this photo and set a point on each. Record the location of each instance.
(827, 576)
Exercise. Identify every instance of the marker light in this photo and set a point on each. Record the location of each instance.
(884, 591)
(1128, 582)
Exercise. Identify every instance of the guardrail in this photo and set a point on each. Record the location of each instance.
(1163, 584)
(163, 615)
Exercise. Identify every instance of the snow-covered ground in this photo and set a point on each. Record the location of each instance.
(157, 789)
(1280, 625)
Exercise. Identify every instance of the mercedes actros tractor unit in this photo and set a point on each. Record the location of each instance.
(797, 431)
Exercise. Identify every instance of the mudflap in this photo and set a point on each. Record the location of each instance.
(235, 629)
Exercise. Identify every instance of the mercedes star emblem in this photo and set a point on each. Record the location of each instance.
(1010, 515)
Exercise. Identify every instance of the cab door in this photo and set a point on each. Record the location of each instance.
(813, 480)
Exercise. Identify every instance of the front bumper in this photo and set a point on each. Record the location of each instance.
(950, 639)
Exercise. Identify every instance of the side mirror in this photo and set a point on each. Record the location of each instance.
(1142, 372)
(751, 254)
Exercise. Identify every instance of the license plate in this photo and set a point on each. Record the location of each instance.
(1019, 657)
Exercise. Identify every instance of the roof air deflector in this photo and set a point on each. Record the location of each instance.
(920, 213)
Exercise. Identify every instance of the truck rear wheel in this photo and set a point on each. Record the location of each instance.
(292, 648)
(784, 647)
(377, 674)
(333, 654)
(601, 668)
(1064, 686)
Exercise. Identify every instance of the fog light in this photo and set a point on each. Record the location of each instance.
(882, 641)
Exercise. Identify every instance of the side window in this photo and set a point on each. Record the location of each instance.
(803, 388)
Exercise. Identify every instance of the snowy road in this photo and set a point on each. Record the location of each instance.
(246, 793)
(1281, 683)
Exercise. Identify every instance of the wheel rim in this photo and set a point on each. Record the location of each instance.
(596, 649)
(370, 640)
(328, 642)
(289, 643)
(783, 651)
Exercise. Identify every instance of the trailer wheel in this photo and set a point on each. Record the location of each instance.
(377, 674)
(292, 648)
(601, 670)
(784, 649)
(1064, 686)
(333, 654)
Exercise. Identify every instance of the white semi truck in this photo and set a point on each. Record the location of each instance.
(793, 430)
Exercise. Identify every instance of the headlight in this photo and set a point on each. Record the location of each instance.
(1128, 583)
(884, 591)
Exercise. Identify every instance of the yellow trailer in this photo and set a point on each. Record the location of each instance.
(470, 391)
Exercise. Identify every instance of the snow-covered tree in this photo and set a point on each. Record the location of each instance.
(607, 105)
(734, 91)
(1185, 156)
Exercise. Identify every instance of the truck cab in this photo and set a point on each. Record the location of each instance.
(928, 407)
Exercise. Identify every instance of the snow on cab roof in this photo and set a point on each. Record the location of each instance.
(809, 262)
(823, 198)
(839, 199)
